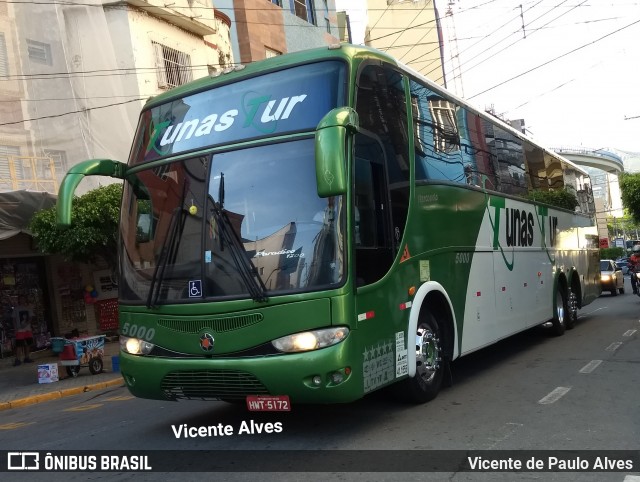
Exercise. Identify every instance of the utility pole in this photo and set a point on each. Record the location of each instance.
(453, 46)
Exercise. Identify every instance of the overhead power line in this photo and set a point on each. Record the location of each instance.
(53, 116)
(556, 58)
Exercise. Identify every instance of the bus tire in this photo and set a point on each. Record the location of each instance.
(430, 363)
(560, 312)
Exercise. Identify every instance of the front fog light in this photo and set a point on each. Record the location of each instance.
(310, 340)
(337, 377)
(135, 346)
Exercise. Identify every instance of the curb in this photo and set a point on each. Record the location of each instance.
(45, 397)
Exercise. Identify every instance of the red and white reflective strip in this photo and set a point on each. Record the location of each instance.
(404, 306)
(366, 316)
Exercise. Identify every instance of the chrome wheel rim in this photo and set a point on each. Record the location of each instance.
(559, 308)
(427, 353)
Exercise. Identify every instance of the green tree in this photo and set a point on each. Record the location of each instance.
(630, 188)
(93, 231)
(560, 198)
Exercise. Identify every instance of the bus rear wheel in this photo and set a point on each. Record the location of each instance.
(560, 312)
(427, 381)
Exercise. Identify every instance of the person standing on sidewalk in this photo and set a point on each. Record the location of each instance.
(22, 318)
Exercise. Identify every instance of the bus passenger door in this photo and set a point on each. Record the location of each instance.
(373, 245)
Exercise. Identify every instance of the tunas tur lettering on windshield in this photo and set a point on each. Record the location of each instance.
(274, 110)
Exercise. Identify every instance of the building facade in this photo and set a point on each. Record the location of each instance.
(263, 28)
(410, 31)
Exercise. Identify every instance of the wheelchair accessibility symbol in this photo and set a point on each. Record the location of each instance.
(195, 288)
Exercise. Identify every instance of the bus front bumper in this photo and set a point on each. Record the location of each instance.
(319, 376)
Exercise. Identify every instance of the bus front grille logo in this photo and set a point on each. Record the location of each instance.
(206, 342)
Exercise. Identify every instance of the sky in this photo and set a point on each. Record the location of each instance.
(569, 68)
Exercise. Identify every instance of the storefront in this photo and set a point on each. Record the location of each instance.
(23, 270)
(24, 278)
(67, 298)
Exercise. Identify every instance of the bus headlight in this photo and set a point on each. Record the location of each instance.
(135, 346)
(310, 340)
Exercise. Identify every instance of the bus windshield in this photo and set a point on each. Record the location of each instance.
(239, 224)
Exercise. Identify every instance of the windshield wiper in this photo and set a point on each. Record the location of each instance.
(246, 268)
(168, 249)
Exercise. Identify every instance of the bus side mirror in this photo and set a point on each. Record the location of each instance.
(93, 167)
(330, 150)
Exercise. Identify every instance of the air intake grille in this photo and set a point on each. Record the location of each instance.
(211, 384)
(218, 325)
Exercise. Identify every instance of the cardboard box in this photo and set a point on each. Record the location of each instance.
(48, 373)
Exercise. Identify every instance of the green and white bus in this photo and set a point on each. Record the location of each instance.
(316, 226)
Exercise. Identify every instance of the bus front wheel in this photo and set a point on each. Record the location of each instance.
(426, 383)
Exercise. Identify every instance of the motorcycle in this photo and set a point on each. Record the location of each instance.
(635, 280)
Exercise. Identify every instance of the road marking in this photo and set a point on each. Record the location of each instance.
(554, 396)
(629, 332)
(120, 398)
(14, 425)
(82, 408)
(614, 346)
(591, 312)
(632, 478)
(589, 367)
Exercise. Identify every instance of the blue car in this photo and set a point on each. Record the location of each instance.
(623, 264)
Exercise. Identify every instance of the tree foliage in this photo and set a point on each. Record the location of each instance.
(630, 188)
(625, 225)
(611, 253)
(560, 198)
(93, 231)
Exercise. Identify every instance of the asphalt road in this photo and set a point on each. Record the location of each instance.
(529, 392)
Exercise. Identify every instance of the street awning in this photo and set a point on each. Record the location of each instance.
(18, 207)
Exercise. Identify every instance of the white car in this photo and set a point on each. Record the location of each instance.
(611, 277)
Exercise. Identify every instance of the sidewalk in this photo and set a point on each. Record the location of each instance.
(19, 385)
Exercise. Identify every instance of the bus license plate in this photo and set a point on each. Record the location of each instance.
(268, 403)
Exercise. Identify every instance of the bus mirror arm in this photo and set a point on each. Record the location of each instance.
(330, 150)
(93, 167)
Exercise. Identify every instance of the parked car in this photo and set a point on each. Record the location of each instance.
(611, 277)
(623, 264)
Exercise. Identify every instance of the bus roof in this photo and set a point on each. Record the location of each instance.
(337, 51)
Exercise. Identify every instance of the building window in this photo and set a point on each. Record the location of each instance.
(304, 10)
(445, 129)
(7, 154)
(4, 61)
(271, 53)
(39, 52)
(277, 2)
(58, 162)
(328, 24)
(172, 66)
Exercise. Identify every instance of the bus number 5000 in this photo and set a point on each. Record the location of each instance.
(138, 331)
(463, 258)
